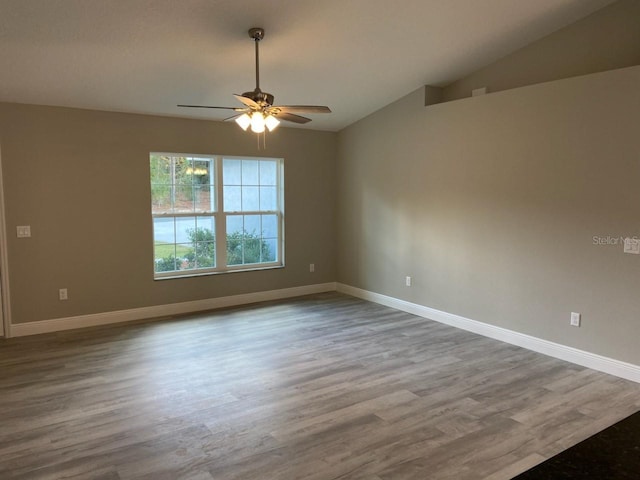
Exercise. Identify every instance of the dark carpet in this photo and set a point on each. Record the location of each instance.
(612, 454)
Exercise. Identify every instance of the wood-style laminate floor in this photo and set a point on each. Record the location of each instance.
(320, 387)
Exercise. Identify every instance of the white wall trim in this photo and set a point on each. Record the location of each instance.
(612, 366)
(92, 320)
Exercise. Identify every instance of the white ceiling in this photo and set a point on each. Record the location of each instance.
(356, 56)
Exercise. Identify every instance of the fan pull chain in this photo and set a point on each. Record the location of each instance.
(264, 140)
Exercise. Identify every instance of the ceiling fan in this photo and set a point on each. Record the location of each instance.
(259, 111)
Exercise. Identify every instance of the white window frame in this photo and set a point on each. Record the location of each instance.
(219, 216)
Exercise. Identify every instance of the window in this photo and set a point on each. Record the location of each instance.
(214, 214)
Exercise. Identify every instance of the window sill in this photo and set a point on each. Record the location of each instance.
(217, 272)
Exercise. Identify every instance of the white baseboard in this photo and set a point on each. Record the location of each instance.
(580, 357)
(618, 368)
(92, 320)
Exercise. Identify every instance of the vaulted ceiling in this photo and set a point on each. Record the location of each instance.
(146, 56)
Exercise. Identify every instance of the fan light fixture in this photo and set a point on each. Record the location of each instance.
(257, 121)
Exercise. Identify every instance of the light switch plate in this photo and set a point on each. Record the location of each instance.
(632, 245)
(23, 231)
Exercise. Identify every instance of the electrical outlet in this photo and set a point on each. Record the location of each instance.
(632, 245)
(62, 294)
(312, 267)
(407, 281)
(575, 319)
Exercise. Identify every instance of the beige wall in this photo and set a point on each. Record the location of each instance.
(605, 40)
(81, 180)
(491, 205)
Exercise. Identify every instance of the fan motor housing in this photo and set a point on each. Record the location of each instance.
(259, 97)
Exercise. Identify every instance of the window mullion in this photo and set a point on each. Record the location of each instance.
(255, 212)
(183, 214)
(220, 218)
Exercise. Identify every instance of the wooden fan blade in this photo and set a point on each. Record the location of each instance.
(247, 101)
(237, 109)
(302, 108)
(290, 117)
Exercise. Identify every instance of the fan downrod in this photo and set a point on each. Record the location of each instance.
(258, 96)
